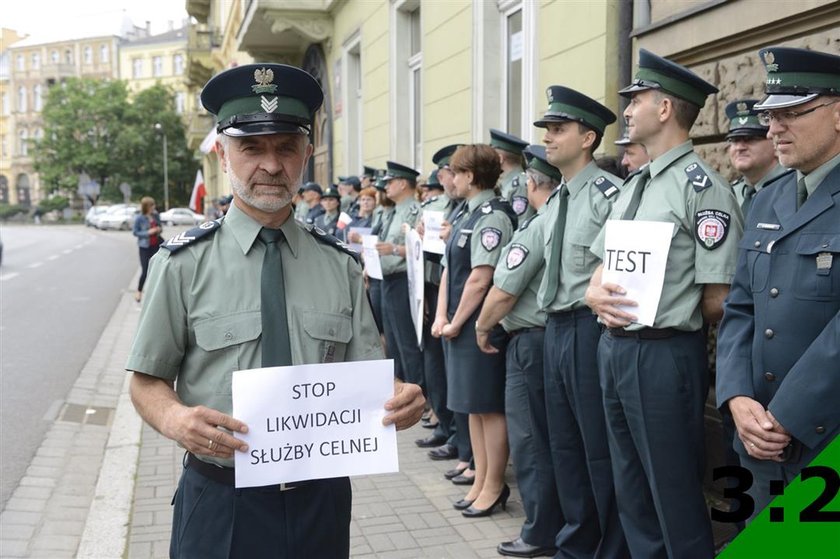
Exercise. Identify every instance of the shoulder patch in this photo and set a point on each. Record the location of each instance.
(519, 204)
(193, 235)
(414, 210)
(698, 177)
(490, 238)
(517, 253)
(327, 239)
(486, 208)
(515, 182)
(527, 222)
(711, 228)
(606, 186)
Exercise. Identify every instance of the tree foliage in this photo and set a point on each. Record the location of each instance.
(97, 127)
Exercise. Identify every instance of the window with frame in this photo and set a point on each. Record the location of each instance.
(406, 83)
(157, 66)
(68, 56)
(23, 143)
(37, 101)
(54, 57)
(137, 68)
(21, 63)
(21, 101)
(180, 102)
(104, 54)
(88, 55)
(36, 60)
(4, 101)
(513, 35)
(178, 64)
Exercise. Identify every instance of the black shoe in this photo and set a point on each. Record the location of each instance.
(429, 425)
(463, 480)
(453, 473)
(502, 499)
(518, 548)
(444, 452)
(430, 441)
(462, 504)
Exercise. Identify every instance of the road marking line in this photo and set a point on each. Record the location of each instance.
(54, 257)
(68, 251)
(36, 265)
(9, 276)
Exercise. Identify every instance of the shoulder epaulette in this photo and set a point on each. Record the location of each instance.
(327, 239)
(606, 186)
(527, 222)
(414, 210)
(503, 205)
(429, 201)
(193, 235)
(735, 181)
(698, 177)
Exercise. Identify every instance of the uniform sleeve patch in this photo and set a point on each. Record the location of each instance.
(486, 208)
(516, 256)
(520, 204)
(606, 186)
(490, 238)
(711, 228)
(697, 177)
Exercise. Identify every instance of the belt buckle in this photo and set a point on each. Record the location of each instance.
(287, 487)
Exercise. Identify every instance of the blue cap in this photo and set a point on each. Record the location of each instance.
(313, 187)
(258, 99)
(660, 73)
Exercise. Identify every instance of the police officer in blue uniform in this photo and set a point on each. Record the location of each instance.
(779, 342)
(312, 193)
(328, 221)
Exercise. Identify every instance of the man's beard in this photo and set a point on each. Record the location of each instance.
(266, 203)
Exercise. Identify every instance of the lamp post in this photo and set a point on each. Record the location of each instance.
(159, 128)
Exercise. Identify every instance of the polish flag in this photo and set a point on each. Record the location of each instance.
(198, 194)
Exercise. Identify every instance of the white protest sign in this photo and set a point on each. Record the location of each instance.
(354, 237)
(432, 223)
(373, 266)
(415, 264)
(314, 421)
(635, 255)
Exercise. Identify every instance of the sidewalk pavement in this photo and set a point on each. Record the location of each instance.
(101, 483)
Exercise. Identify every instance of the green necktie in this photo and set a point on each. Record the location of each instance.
(553, 271)
(801, 193)
(636, 199)
(749, 192)
(276, 347)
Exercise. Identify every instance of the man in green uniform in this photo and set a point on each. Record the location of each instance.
(751, 152)
(401, 339)
(574, 127)
(655, 379)
(635, 155)
(256, 289)
(349, 188)
(512, 301)
(512, 182)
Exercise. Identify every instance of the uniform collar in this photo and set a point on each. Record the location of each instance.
(664, 161)
(774, 172)
(245, 230)
(817, 176)
(579, 180)
(479, 199)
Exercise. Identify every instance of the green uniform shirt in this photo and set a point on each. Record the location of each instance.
(520, 272)
(300, 210)
(591, 195)
(740, 186)
(513, 186)
(682, 189)
(480, 254)
(406, 211)
(201, 312)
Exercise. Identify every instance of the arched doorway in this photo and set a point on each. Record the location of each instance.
(22, 187)
(4, 190)
(320, 166)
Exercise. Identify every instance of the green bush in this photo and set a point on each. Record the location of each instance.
(52, 204)
(8, 211)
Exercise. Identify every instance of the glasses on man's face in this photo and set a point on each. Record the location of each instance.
(786, 117)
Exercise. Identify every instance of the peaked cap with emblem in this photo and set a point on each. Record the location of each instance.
(660, 73)
(565, 104)
(506, 142)
(743, 119)
(624, 140)
(795, 76)
(379, 183)
(433, 182)
(351, 180)
(259, 99)
(331, 192)
(369, 172)
(535, 159)
(399, 171)
(443, 155)
(313, 187)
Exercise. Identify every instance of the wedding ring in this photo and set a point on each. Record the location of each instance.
(210, 444)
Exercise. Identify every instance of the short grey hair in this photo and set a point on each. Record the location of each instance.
(541, 180)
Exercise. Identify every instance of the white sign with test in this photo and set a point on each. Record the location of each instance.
(314, 421)
(415, 269)
(635, 255)
(432, 224)
(373, 267)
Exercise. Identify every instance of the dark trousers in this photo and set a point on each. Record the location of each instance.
(434, 365)
(654, 397)
(375, 296)
(528, 438)
(578, 435)
(145, 255)
(215, 521)
(399, 330)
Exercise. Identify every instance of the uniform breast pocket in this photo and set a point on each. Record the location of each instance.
(580, 240)
(758, 258)
(817, 267)
(331, 332)
(227, 342)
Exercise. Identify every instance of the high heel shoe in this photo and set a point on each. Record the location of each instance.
(472, 512)
(463, 504)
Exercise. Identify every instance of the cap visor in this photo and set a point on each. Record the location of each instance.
(623, 142)
(784, 101)
(742, 132)
(264, 128)
(633, 88)
(546, 120)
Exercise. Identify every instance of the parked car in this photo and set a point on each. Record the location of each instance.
(94, 213)
(119, 218)
(181, 216)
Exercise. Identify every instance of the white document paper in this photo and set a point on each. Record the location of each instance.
(314, 422)
(351, 234)
(373, 266)
(432, 224)
(635, 255)
(415, 264)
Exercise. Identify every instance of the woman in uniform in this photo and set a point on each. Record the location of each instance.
(476, 380)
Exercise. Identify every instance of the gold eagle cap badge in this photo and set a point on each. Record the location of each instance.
(264, 77)
(769, 61)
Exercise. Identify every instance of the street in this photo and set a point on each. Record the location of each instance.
(59, 286)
